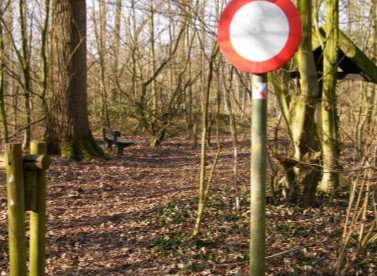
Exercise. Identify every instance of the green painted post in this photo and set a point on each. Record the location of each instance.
(38, 218)
(16, 209)
(258, 175)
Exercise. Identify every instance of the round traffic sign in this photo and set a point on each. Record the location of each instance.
(259, 36)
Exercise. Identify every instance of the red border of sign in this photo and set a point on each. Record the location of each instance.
(277, 61)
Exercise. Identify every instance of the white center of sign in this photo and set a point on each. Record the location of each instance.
(259, 31)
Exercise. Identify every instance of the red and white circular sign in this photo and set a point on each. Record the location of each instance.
(259, 36)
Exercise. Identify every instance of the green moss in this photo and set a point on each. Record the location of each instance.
(87, 150)
(78, 151)
(68, 150)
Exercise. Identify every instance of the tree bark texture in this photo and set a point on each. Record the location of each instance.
(303, 125)
(68, 130)
(299, 110)
(328, 113)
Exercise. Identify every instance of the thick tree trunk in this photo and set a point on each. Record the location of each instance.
(68, 131)
(302, 172)
(304, 129)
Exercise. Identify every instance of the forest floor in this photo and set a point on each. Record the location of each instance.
(133, 215)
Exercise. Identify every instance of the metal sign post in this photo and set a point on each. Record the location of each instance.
(259, 36)
(258, 174)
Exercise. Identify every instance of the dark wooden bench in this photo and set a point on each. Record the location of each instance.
(112, 137)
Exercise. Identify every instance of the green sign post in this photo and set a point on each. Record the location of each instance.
(259, 36)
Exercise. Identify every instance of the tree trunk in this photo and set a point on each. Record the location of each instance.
(44, 57)
(116, 34)
(3, 117)
(302, 172)
(371, 90)
(233, 131)
(8, 83)
(68, 131)
(25, 67)
(329, 116)
(102, 39)
(204, 182)
(304, 130)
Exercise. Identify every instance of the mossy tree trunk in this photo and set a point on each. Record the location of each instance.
(302, 112)
(328, 112)
(302, 171)
(68, 131)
